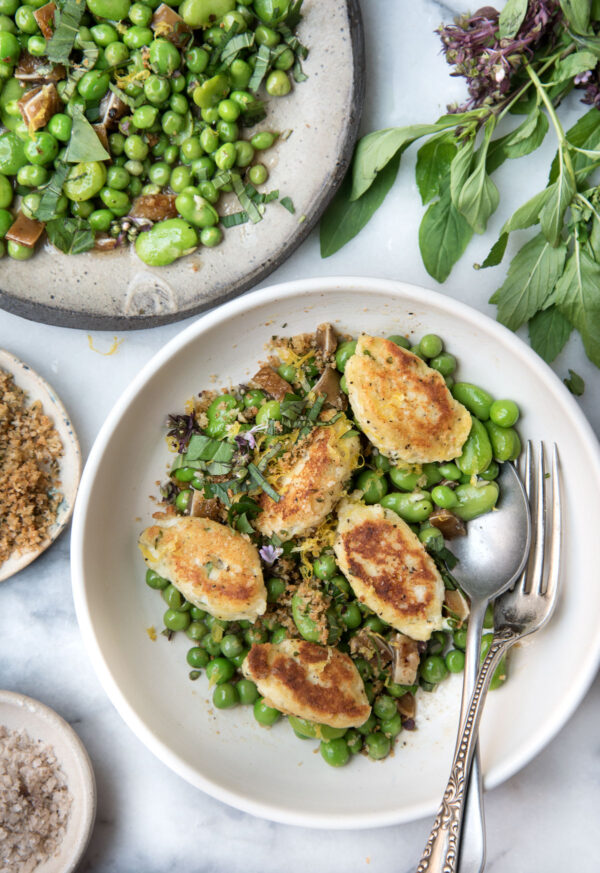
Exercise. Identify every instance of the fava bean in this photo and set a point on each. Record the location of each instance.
(476, 400)
(307, 627)
(504, 413)
(477, 451)
(475, 500)
(412, 507)
(167, 241)
(506, 445)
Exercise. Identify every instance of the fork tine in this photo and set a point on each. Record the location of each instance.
(536, 576)
(555, 533)
(522, 583)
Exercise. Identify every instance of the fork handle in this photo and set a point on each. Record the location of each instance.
(441, 851)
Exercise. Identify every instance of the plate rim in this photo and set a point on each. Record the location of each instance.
(16, 366)
(46, 314)
(316, 287)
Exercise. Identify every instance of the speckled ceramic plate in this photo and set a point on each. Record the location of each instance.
(18, 712)
(37, 388)
(117, 291)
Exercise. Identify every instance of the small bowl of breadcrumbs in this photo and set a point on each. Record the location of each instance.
(40, 465)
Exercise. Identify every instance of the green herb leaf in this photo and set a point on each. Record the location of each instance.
(529, 213)
(71, 235)
(260, 480)
(574, 64)
(287, 203)
(549, 330)
(577, 13)
(233, 46)
(496, 252)
(234, 219)
(343, 218)
(52, 192)
(204, 448)
(67, 20)
(562, 192)
(584, 134)
(84, 144)
(575, 383)
(460, 168)
(248, 205)
(433, 164)
(443, 237)
(375, 150)
(511, 18)
(479, 197)
(261, 68)
(527, 137)
(91, 53)
(533, 273)
(577, 295)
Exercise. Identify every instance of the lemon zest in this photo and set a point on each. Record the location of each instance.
(115, 345)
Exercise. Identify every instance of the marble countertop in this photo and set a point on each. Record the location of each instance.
(148, 818)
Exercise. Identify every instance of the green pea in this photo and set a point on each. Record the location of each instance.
(263, 140)
(153, 580)
(455, 660)
(117, 201)
(32, 176)
(499, 677)
(266, 36)
(476, 452)
(202, 13)
(8, 7)
(278, 635)
(103, 34)
(244, 153)
(6, 192)
(135, 186)
(183, 500)
(60, 126)
(240, 73)
(93, 85)
(85, 180)
(116, 54)
(269, 411)
(247, 692)
(212, 646)
(285, 61)
(368, 726)
(265, 715)
(437, 643)
(160, 173)
(343, 353)
(431, 345)
(384, 707)
(412, 507)
(225, 696)
(220, 670)
(197, 614)
(391, 727)
(19, 252)
(378, 746)
(231, 645)
(255, 635)
(117, 177)
(197, 59)
(258, 174)
(114, 10)
(431, 537)
(400, 341)
(167, 241)
(342, 584)
(443, 363)
(6, 218)
(351, 616)
(432, 474)
(460, 638)
(275, 588)
(36, 46)
(444, 497)
(174, 599)
(12, 154)
(335, 752)
(271, 13)
(433, 669)
(476, 400)
(176, 621)
(157, 90)
(373, 486)
(374, 623)
(140, 14)
(488, 620)
(506, 445)
(490, 473)
(9, 44)
(325, 567)
(225, 156)
(197, 657)
(475, 500)
(171, 154)
(307, 628)
(164, 57)
(405, 478)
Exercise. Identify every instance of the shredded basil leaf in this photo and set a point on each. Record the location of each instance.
(234, 219)
(235, 45)
(261, 69)
(84, 144)
(245, 202)
(67, 20)
(204, 448)
(288, 204)
(260, 480)
(71, 235)
(91, 52)
(52, 192)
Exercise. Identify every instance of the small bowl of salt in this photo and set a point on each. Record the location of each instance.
(47, 789)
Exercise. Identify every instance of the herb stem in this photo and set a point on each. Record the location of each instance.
(548, 104)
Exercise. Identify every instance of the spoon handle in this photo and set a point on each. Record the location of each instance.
(441, 852)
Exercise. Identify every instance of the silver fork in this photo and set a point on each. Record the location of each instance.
(519, 612)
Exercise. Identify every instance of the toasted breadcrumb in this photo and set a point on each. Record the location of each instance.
(30, 449)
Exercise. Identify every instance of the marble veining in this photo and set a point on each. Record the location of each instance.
(149, 819)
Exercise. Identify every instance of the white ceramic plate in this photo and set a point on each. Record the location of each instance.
(18, 712)
(270, 772)
(37, 388)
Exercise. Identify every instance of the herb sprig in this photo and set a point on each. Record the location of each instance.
(524, 60)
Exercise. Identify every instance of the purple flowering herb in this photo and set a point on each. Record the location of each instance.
(181, 427)
(472, 45)
(269, 554)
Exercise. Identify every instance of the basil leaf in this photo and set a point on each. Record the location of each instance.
(52, 192)
(527, 137)
(84, 144)
(91, 53)
(562, 192)
(343, 218)
(460, 168)
(248, 205)
(260, 480)
(204, 448)
(577, 295)
(575, 383)
(433, 164)
(479, 197)
(443, 237)
(375, 150)
(549, 330)
(532, 275)
(574, 64)
(511, 18)
(68, 19)
(496, 253)
(71, 235)
(584, 134)
(528, 213)
(577, 13)
(288, 204)
(261, 68)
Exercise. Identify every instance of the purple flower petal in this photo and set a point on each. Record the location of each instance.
(269, 554)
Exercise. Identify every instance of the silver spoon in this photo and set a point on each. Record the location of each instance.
(491, 557)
